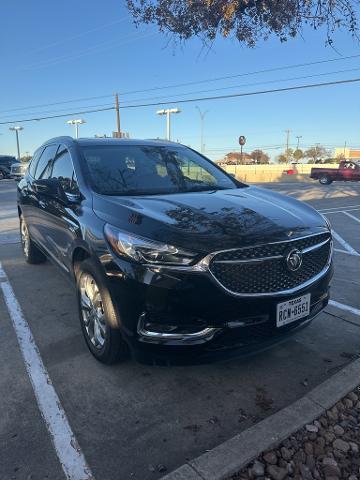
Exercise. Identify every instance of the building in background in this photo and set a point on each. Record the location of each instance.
(347, 153)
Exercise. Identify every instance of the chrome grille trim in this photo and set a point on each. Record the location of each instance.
(273, 257)
(288, 291)
(203, 267)
(261, 259)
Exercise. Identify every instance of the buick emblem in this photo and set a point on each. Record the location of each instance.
(294, 260)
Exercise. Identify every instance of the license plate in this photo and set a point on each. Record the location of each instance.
(292, 310)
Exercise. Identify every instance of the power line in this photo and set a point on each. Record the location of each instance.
(246, 94)
(58, 103)
(256, 72)
(190, 93)
(304, 77)
(285, 67)
(191, 100)
(37, 119)
(96, 48)
(54, 112)
(78, 35)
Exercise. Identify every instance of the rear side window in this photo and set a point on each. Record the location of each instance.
(34, 161)
(63, 170)
(44, 165)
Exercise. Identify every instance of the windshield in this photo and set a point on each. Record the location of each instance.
(144, 170)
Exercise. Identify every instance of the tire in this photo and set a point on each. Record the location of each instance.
(99, 317)
(2, 176)
(31, 253)
(325, 180)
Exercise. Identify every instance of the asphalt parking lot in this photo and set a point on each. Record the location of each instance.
(134, 421)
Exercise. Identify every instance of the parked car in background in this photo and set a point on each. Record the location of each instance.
(170, 256)
(18, 169)
(347, 172)
(5, 165)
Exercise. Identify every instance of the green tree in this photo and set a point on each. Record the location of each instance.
(235, 158)
(298, 154)
(260, 157)
(286, 157)
(247, 21)
(316, 154)
(282, 158)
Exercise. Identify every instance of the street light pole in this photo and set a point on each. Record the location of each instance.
(76, 122)
(202, 117)
(17, 130)
(168, 112)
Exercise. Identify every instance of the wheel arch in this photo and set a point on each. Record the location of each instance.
(80, 253)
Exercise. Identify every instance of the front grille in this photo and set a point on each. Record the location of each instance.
(270, 275)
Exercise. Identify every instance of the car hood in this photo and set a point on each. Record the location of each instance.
(212, 220)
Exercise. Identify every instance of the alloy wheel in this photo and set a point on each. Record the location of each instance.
(92, 310)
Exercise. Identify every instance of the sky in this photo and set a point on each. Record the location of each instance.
(60, 51)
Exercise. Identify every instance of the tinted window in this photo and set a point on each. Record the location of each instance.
(33, 163)
(8, 160)
(136, 170)
(44, 165)
(63, 170)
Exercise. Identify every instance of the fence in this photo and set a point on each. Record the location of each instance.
(274, 173)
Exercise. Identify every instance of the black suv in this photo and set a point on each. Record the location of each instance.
(169, 254)
(5, 165)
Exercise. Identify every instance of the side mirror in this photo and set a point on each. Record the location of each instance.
(50, 187)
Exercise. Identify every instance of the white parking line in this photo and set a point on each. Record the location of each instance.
(330, 209)
(347, 308)
(347, 247)
(340, 211)
(66, 446)
(339, 250)
(352, 216)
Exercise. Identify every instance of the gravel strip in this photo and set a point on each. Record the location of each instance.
(326, 449)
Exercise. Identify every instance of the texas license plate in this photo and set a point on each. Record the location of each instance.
(292, 310)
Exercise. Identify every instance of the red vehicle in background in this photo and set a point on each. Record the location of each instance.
(347, 172)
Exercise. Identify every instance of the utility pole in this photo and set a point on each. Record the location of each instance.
(298, 141)
(17, 130)
(202, 117)
(168, 112)
(117, 108)
(287, 144)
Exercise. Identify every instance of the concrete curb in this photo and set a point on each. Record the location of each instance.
(231, 456)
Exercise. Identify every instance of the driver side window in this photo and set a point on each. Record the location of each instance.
(43, 167)
(63, 170)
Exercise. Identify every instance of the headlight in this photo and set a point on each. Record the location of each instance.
(143, 250)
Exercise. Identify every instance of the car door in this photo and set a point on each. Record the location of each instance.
(356, 172)
(61, 219)
(34, 211)
(348, 171)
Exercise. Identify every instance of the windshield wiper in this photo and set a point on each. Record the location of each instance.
(205, 187)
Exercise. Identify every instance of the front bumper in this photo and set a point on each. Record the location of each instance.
(179, 315)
